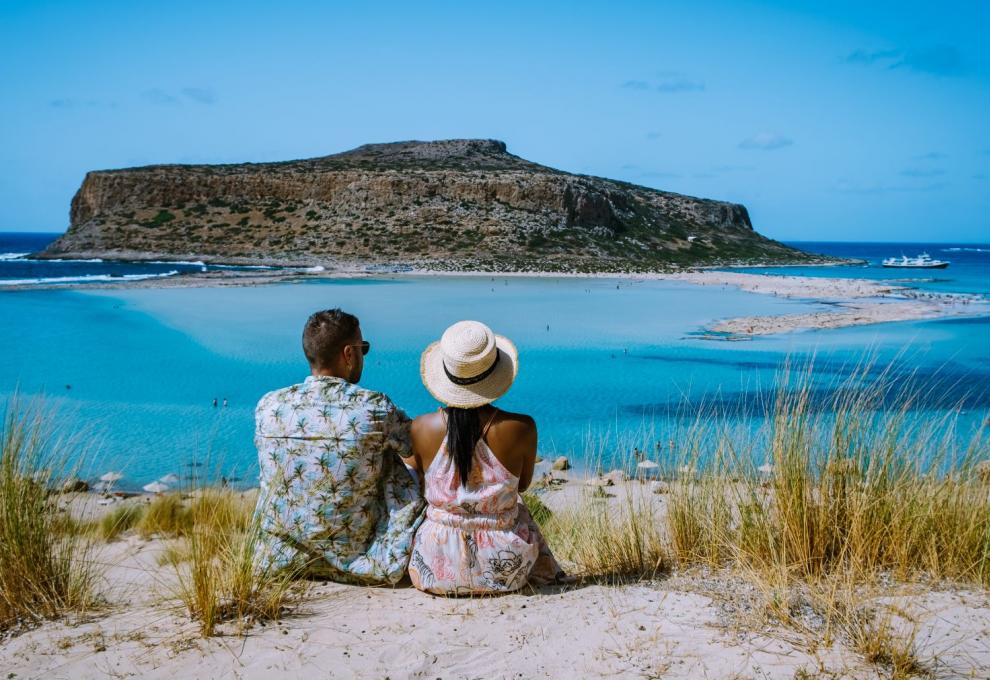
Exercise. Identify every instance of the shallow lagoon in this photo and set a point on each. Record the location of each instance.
(144, 365)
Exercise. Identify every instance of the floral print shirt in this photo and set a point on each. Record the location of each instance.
(335, 495)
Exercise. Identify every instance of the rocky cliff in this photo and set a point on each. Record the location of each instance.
(451, 205)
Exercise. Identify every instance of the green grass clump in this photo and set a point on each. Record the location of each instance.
(856, 485)
(45, 570)
(119, 520)
(600, 541)
(215, 564)
(163, 217)
(537, 508)
(165, 515)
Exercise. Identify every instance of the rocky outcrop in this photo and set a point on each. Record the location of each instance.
(456, 205)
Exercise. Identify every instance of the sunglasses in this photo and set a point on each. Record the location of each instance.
(364, 345)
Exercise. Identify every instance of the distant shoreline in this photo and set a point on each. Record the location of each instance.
(851, 302)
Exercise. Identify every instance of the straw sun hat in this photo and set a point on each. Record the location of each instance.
(469, 366)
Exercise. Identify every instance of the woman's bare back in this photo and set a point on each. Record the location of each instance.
(511, 437)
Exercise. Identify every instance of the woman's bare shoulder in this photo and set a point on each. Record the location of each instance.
(515, 425)
(428, 422)
(520, 419)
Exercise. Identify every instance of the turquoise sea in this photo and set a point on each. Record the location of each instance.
(601, 360)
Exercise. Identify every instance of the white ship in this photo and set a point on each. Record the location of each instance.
(923, 261)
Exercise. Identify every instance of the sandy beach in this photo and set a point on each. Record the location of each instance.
(691, 624)
(845, 302)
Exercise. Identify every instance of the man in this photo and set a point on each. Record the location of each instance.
(336, 500)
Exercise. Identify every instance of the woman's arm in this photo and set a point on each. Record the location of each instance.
(415, 461)
(527, 447)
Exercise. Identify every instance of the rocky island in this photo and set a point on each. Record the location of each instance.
(455, 205)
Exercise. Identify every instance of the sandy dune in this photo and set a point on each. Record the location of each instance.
(690, 625)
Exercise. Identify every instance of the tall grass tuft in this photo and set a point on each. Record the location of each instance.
(118, 521)
(856, 482)
(45, 570)
(599, 541)
(218, 579)
(164, 515)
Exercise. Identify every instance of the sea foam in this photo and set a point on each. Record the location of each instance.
(89, 278)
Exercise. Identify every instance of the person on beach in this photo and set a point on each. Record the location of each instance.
(477, 537)
(336, 499)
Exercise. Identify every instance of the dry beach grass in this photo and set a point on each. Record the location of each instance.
(843, 538)
(45, 569)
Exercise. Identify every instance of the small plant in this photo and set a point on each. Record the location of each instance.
(118, 521)
(608, 543)
(165, 515)
(45, 570)
(163, 217)
(215, 563)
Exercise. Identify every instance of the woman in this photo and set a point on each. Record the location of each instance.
(476, 459)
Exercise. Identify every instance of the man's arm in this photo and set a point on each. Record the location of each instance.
(398, 440)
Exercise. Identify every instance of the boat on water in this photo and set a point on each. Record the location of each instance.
(923, 261)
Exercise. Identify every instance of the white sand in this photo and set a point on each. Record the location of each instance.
(851, 302)
(692, 625)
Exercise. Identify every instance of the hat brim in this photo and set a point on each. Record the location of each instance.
(486, 391)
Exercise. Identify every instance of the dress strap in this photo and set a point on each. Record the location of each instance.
(484, 431)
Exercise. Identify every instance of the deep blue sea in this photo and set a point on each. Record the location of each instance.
(136, 370)
(15, 268)
(968, 271)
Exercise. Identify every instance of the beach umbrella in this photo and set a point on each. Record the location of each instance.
(111, 477)
(170, 478)
(155, 487)
(646, 468)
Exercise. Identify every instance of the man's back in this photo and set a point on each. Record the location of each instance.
(334, 492)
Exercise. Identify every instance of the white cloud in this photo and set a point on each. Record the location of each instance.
(922, 172)
(200, 94)
(931, 156)
(159, 96)
(844, 186)
(766, 141)
(668, 82)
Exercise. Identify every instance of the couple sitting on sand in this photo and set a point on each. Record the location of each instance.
(342, 468)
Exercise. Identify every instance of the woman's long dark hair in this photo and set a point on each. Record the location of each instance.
(463, 433)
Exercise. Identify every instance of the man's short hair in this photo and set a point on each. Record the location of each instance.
(325, 335)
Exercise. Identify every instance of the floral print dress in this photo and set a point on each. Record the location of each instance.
(335, 497)
(477, 538)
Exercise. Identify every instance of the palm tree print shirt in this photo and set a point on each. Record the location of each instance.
(335, 498)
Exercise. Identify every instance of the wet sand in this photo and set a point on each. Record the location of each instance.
(845, 302)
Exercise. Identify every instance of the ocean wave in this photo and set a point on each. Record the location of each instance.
(240, 266)
(12, 256)
(194, 263)
(966, 250)
(200, 263)
(95, 259)
(88, 278)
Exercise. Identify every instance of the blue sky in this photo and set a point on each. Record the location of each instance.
(830, 121)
